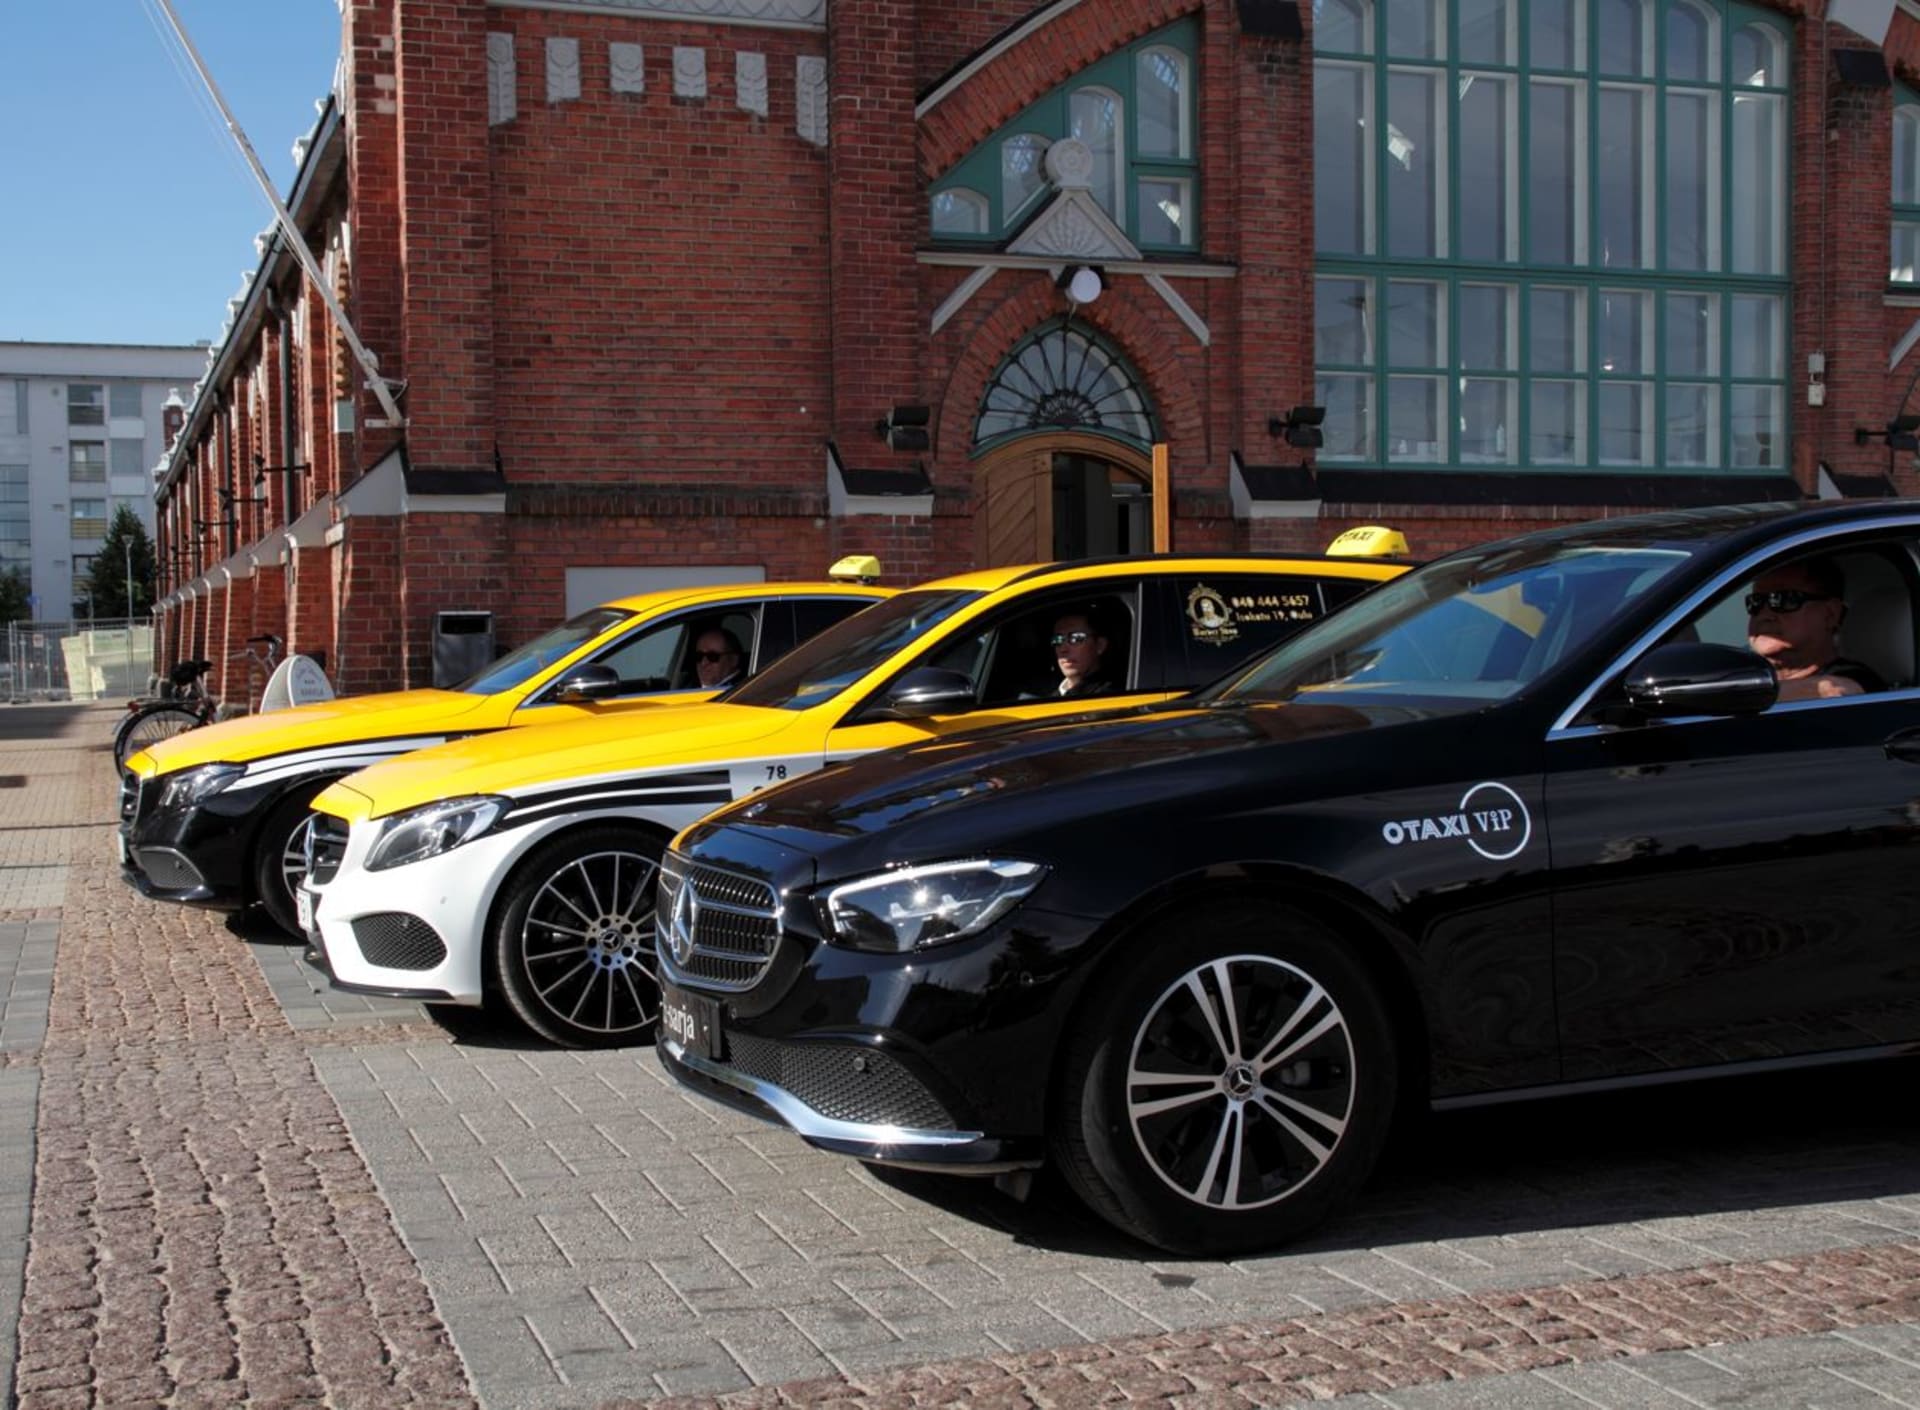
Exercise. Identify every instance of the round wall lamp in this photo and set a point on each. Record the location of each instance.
(1082, 283)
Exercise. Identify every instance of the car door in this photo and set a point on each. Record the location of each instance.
(1745, 888)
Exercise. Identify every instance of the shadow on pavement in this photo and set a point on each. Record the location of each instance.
(1738, 1144)
(49, 722)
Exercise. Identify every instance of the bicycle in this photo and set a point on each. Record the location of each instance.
(189, 706)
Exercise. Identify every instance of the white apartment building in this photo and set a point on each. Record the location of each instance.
(81, 428)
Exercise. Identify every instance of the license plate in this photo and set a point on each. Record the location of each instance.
(691, 1021)
(303, 905)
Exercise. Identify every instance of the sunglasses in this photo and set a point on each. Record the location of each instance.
(1072, 638)
(713, 655)
(1783, 600)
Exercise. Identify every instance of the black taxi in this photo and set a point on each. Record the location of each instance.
(1551, 814)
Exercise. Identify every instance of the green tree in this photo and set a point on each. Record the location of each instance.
(126, 545)
(13, 596)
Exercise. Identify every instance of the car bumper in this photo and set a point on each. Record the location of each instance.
(192, 855)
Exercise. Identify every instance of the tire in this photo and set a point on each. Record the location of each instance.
(572, 946)
(149, 725)
(1264, 1114)
(280, 862)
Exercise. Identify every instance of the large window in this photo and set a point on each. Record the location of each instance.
(86, 404)
(1134, 110)
(89, 518)
(87, 462)
(1552, 233)
(16, 533)
(1905, 267)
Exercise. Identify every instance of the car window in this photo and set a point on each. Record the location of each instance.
(1009, 657)
(1224, 619)
(787, 622)
(1463, 632)
(525, 662)
(817, 670)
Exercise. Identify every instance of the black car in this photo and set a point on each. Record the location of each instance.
(1531, 819)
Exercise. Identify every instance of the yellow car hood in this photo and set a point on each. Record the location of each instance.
(402, 713)
(541, 754)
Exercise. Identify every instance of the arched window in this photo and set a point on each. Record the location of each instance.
(1553, 233)
(1906, 189)
(1064, 377)
(958, 211)
(1135, 111)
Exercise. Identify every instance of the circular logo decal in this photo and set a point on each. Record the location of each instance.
(1490, 797)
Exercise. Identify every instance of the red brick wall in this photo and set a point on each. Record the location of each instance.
(369, 647)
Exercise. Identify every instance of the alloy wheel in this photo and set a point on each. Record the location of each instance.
(586, 947)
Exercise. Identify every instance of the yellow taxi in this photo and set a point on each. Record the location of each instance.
(216, 816)
(525, 867)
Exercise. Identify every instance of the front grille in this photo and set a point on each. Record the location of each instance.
(719, 926)
(841, 1080)
(396, 941)
(167, 869)
(326, 844)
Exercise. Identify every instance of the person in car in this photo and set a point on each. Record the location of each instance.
(1794, 614)
(1078, 649)
(717, 658)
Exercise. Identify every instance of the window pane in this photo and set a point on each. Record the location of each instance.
(1693, 424)
(1489, 420)
(1625, 190)
(1342, 321)
(1414, 419)
(1693, 335)
(1693, 181)
(1020, 171)
(1487, 32)
(1759, 427)
(1626, 423)
(1557, 31)
(1626, 331)
(1759, 343)
(1690, 48)
(1559, 431)
(1488, 137)
(1166, 211)
(123, 399)
(1160, 88)
(1559, 332)
(1416, 324)
(1759, 184)
(86, 404)
(1906, 129)
(1416, 165)
(1759, 59)
(1343, 26)
(125, 457)
(959, 213)
(1414, 29)
(1095, 120)
(1906, 252)
(1488, 315)
(1556, 174)
(1349, 426)
(1626, 38)
(1342, 159)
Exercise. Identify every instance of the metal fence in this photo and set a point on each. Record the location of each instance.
(97, 660)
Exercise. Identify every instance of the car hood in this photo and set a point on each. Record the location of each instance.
(515, 761)
(394, 715)
(981, 789)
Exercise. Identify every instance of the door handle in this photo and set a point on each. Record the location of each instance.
(1903, 745)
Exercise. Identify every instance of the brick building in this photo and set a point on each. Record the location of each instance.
(663, 285)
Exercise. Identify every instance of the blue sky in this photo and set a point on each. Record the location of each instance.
(129, 214)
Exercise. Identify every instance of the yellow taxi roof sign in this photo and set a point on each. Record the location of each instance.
(1369, 541)
(856, 568)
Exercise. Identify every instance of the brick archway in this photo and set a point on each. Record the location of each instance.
(1047, 57)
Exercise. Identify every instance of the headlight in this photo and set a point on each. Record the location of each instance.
(429, 831)
(915, 907)
(191, 786)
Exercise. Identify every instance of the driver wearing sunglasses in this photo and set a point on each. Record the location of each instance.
(1794, 614)
(1078, 646)
(717, 658)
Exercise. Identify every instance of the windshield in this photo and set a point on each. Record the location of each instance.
(820, 669)
(529, 660)
(1467, 631)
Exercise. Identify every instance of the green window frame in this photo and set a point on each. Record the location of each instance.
(1552, 234)
(1904, 267)
(1146, 171)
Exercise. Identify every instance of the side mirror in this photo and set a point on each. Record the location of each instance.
(585, 683)
(928, 690)
(1700, 678)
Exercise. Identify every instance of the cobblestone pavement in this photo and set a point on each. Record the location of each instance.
(252, 1187)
